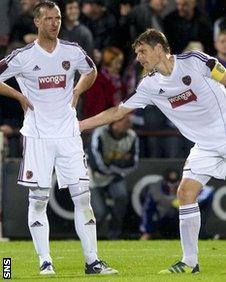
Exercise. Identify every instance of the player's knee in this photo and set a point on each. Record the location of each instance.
(38, 205)
(82, 201)
(187, 193)
(80, 195)
(183, 195)
(38, 200)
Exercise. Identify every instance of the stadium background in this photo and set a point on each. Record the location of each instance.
(115, 24)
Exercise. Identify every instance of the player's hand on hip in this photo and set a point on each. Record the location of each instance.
(25, 104)
(81, 127)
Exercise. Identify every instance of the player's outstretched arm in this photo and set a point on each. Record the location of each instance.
(84, 83)
(12, 93)
(105, 117)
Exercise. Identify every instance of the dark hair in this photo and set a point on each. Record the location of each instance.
(63, 4)
(43, 4)
(171, 178)
(152, 37)
(66, 2)
(222, 31)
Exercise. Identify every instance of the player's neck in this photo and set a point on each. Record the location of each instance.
(165, 67)
(48, 45)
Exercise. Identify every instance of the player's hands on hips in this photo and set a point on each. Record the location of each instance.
(25, 104)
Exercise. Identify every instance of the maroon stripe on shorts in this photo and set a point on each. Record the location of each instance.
(21, 172)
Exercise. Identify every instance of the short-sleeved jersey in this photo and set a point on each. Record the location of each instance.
(47, 80)
(189, 97)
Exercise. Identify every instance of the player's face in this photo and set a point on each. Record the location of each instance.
(147, 56)
(49, 23)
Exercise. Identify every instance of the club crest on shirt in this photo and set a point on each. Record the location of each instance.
(29, 174)
(66, 65)
(186, 80)
(182, 99)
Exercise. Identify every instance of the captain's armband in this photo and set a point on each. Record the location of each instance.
(218, 71)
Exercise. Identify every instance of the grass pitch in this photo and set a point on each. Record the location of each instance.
(135, 261)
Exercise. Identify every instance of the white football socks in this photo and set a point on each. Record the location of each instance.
(85, 225)
(39, 227)
(190, 222)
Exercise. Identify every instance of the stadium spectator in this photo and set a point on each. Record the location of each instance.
(219, 25)
(214, 8)
(9, 12)
(160, 207)
(24, 30)
(145, 16)
(72, 30)
(154, 120)
(112, 155)
(220, 46)
(176, 145)
(4, 27)
(11, 119)
(45, 71)
(187, 88)
(187, 24)
(101, 23)
(124, 31)
(108, 89)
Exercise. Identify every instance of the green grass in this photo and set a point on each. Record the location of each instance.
(135, 261)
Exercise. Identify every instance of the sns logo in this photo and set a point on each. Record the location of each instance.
(6, 267)
(53, 81)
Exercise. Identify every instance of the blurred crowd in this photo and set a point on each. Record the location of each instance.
(106, 30)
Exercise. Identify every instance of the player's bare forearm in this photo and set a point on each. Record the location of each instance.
(84, 83)
(13, 93)
(105, 117)
(9, 91)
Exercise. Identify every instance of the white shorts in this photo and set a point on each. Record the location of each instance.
(42, 156)
(201, 164)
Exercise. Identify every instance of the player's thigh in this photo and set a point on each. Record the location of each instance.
(37, 163)
(70, 163)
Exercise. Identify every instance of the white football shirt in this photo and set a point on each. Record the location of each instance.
(189, 97)
(47, 80)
